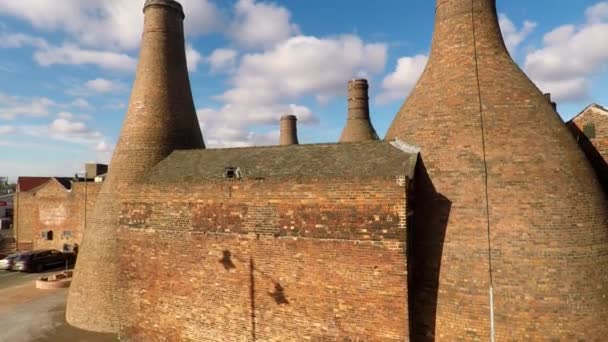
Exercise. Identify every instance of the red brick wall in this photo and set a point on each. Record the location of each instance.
(54, 208)
(275, 261)
(595, 148)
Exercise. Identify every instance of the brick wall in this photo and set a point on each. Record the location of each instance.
(593, 120)
(508, 199)
(54, 208)
(269, 261)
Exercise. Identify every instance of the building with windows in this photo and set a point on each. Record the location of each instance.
(590, 128)
(52, 212)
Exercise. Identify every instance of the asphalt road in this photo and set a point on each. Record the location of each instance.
(28, 314)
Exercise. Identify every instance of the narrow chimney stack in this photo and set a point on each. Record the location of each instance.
(289, 130)
(358, 125)
(160, 119)
(553, 104)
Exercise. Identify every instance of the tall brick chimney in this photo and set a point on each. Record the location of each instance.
(509, 236)
(289, 130)
(160, 119)
(358, 125)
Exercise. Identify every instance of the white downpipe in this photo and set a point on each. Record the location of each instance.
(491, 314)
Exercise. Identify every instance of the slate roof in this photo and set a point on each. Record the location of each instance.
(375, 159)
(29, 183)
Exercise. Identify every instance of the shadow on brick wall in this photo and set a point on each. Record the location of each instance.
(593, 155)
(426, 238)
(279, 295)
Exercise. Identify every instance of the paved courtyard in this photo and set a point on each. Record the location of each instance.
(28, 314)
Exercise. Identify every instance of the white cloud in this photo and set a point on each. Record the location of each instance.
(111, 24)
(222, 60)
(74, 55)
(102, 85)
(269, 84)
(80, 103)
(512, 35)
(14, 106)
(398, 84)
(573, 89)
(65, 128)
(193, 58)
(304, 65)
(597, 13)
(570, 55)
(5, 130)
(261, 25)
(17, 40)
(104, 146)
(104, 151)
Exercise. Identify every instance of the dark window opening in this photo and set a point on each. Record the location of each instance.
(589, 130)
(232, 172)
(47, 235)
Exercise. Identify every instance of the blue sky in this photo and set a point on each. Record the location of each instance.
(66, 67)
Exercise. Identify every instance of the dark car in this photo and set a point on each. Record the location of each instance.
(39, 260)
(7, 262)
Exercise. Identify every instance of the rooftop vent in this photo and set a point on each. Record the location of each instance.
(231, 172)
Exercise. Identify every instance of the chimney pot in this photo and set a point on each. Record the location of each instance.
(358, 125)
(289, 130)
(167, 3)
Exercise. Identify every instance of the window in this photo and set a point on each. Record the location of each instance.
(47, 235)
(66, 234)
(232, 172)
(589, 130)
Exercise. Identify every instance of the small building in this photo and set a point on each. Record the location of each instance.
(590, 128)
(51, 212)
(6, 211)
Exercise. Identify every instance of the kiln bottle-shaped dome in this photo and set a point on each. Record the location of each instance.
(160, 119)
(358, 125)
(505, 198)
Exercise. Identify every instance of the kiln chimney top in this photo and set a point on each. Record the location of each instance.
(358, 125)
(168, 3)
(289, 130)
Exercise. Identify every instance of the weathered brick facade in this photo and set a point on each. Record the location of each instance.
(264, 260)
(506, 198)
(315, 242)
(590, 128)
(53, 208)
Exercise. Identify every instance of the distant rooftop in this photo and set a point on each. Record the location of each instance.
(375, 159)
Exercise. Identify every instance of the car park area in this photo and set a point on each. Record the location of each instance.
(30, 314)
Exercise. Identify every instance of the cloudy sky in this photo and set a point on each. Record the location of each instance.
(66, 67)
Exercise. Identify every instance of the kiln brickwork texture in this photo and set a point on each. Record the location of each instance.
(160, 118)
(508, 197)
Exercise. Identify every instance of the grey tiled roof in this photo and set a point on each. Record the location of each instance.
(375, 159)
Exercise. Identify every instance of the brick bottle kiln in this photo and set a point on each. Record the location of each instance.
(506, 199)
(160, 119)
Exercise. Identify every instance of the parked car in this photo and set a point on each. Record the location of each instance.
(7, 262)
(39, 260)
